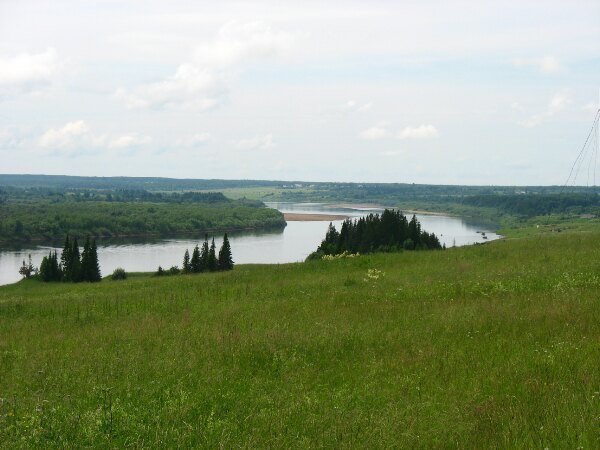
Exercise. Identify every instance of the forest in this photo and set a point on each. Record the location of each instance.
(540, 204)
(391, 231)
(48, 214)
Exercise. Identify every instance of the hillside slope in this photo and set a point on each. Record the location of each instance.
(496, 345)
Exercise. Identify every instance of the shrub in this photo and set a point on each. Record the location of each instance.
(119, 274)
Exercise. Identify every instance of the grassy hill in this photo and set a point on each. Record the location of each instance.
(496, 345)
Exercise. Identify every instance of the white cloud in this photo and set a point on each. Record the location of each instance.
(420, 132)
(76, 138)
(351, 105)
(191, 86)
(546, 64)
(263, 142)
(194, 140)
(201, 83)
(241, 42)
(556, 105)
(27, 72)
(128, 141)
(10, 138)
(373, 133)
(72, 134)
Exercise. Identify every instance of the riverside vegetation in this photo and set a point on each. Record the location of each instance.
(485, 346)
(44, 214)
(389, 232)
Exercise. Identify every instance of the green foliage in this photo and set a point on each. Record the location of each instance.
(119, 274)
(225, 259)
(206, 260)
(195, 264)
(27, 215)
(212, 263)
(187, 265)
(27, 269)
(50, 269)
(488, 346)
(90, 267)
(387, 232)
(541, 204)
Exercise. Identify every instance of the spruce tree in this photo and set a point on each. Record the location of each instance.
(204, 255)
(95, 274)
(186, 262)
(66, 259)
(195, 262)
(49, 269)
(86, 270)
(75, 275)
(212, 257)
(45, 274)
(225, 258)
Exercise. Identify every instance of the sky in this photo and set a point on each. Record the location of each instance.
(437, 92)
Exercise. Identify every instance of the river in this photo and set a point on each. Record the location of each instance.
(293, 244)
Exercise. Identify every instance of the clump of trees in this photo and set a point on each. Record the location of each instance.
(206, 259)
(391, 231)
(28, 270)
(73, 266)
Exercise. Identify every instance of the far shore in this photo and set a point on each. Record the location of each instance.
(378, 206)
(300, 217)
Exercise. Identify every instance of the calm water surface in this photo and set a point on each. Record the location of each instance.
(290, 245)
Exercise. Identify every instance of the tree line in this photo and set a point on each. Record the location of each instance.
(73, 266)
(388, 232)
(203, 259)
(539, 204)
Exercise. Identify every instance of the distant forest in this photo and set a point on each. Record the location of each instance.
(539, 205)
(50, 213)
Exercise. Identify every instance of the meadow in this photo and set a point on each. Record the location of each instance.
(488, 346)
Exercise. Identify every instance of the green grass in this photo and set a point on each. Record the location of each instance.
(489, 346)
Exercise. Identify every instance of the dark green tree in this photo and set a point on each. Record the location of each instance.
(27, 269)
(49, 268)
(195, 264)
(204, 255)
(94, 270)
(212, 257)
(84, 272)
(66, 260)
(75, 268)
(225, 258)
(186, 262)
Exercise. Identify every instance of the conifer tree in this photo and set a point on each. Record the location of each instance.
(66, 260)
(186, 262)
(75, 274)
(195, 262)
(212, 257)
(49, 269)
(204, 255)
(95, 274)
(86, 270)
(225, 258)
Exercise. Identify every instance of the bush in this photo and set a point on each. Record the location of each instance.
(119, 274)
(174, 270)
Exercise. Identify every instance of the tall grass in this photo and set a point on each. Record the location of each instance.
(486, 346)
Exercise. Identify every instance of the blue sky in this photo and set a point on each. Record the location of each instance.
(469, 92)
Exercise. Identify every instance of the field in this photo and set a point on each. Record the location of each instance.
(495, 345)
